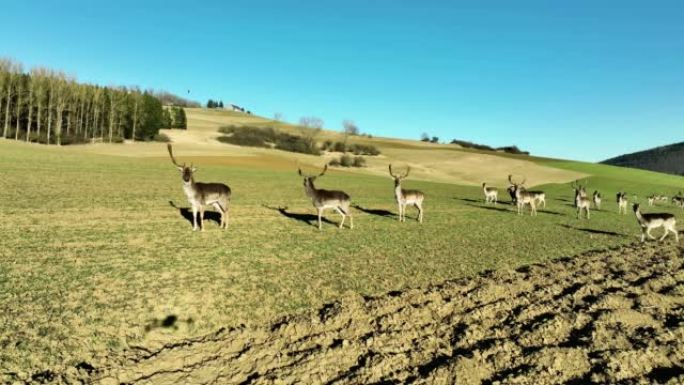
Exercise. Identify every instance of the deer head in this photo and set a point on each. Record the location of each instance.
(186, 171)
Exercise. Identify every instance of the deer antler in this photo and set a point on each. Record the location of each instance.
(324, 170)
(408, 169)
(390, 171)
(173, 160)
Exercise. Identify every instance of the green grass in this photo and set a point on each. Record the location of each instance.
(93, 257)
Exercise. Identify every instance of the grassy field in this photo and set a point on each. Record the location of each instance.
(94, 259)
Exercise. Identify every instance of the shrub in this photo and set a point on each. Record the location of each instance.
(159, 137)
(362, 149)
(359, 161)
(513, 150)
(268, 137)
(334, 162)
(327, 145)
(346, 161)
(476, 146)
(75, 139)
(339, 147)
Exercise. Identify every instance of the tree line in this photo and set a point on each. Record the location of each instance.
(48, 106)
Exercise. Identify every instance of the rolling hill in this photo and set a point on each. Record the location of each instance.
(668, 159)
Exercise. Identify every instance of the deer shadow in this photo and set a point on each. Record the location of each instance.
(495, 208)
(594, 231)
(378, 212)
(186, 213)
(470, 200)
(550, 212)
(309, 219)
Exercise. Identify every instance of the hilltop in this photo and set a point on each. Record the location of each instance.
(668, 159)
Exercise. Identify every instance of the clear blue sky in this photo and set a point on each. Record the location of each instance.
(572, 79)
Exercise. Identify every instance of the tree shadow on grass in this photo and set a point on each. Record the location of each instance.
(594, 231)
(186, 213)
(378, 212)
(309, 219)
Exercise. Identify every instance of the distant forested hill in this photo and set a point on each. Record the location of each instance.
(668, 159)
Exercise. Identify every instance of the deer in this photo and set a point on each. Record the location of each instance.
(491, 193)
(678, 200)
(597, 199)
(327, 199)
(652, 221)
(580, 191)
(538, 196)
(622, 202)
(523, 197)
(202, 194)
(406, 197)
(582, 203)
(651, 200)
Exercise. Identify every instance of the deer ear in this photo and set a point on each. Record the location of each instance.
(180, 168)
(193, 168)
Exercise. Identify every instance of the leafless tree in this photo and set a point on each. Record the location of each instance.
(350, 128)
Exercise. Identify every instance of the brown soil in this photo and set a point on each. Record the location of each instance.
(610, 316)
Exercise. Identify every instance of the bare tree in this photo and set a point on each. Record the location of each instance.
(12, 75)
(350, 128)
(311, 122)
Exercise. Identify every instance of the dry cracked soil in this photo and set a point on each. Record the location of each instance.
(607, 316)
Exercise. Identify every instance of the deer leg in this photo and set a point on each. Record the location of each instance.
(588, 216)
(194, 218)
(400, 213)
(201, 211)
(648, 232)
(664, 234)
(218, 208)
(343, 216)
(351, 219)
(320, 212)
(420, 212)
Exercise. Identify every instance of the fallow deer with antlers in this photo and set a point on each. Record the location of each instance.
(524, 197)
(203, 194)
(327, 199)
(406, 197)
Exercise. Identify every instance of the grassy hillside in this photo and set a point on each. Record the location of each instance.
(429, 162)
(95, 260)
(668, 159)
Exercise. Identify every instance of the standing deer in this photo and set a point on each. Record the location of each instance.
(327, 199)
(202, 194)
(622, 202)
(491, 194)
(582, 203)
(654, 220)
(523, 197)
(580, 191)
(678, 200)
(406, 197)
(538, 196)
(597, 199)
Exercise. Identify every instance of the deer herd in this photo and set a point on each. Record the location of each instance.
(218, 195)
